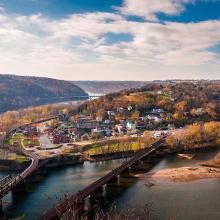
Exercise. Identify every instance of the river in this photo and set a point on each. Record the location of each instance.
(198, 199)
(52, 188)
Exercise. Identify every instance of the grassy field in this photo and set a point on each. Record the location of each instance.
(16, 138)
(22, 140)
(18, 158)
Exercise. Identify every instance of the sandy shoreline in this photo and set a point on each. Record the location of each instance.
(184, 174)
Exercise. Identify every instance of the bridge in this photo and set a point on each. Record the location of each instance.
(9, 183)
(74, 202)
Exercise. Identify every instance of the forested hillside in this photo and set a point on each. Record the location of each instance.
(19, 91)
(181, 102)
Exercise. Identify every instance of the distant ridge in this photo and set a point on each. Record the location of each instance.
(23, 91)
(105, 87)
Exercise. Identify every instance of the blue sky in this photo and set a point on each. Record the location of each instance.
(111, 39)
(198, 11)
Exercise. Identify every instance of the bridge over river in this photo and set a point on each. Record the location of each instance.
(12, 183)
(9, 183)
(76, 201)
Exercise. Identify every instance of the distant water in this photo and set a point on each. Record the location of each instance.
(94, 94)
(89, 93)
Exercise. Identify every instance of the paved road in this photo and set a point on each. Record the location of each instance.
(45, 142)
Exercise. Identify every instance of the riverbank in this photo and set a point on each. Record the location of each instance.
(215, 162)
(184, 174)
(200, 169)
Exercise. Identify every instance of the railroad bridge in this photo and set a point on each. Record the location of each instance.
(9, 183)
(16, 184)
(73, 206)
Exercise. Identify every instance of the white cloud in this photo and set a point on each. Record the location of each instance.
(149, 8)
(34, 44)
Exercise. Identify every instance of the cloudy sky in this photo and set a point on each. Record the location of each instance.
(111, 39)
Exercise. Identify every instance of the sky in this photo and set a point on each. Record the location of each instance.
(111, 39)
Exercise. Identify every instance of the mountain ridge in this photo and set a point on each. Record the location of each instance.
(23, 91)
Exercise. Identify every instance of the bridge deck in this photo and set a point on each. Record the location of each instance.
(81, 195)
(9, 185)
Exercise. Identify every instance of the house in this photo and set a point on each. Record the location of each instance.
(169, 115)
(156, 135)
(72, 130)
(99, 118)
(160, 92)
(154, 118)
(158, 111)
(170, 126)
(85, 137)
(65, 139)
(96, 133)
(110, 112)
(186, 113)
(130, 125)
(63, 117)
(107, 121)
(123, 123)
(48, 130)
(120, 110)
(57, 138)
(141, 125)
(158, 119)
(199, 111)
(88, 124)
(107, 132)
(129, 108)
(30, 131)
(75, 137)
(150, 117)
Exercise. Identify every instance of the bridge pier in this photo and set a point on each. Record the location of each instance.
(34, 178)
(97, 194)
(42, 171)
(20, 188)
(96, 198)
(139, 166)
(125, 173)
(159, 154)
(112, 182)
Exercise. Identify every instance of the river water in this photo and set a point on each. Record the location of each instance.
(198, 199)
(51, 189)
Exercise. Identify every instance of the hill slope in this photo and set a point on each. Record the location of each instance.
(19, 91)
(182, 103)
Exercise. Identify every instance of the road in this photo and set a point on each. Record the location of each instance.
(45, 142)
